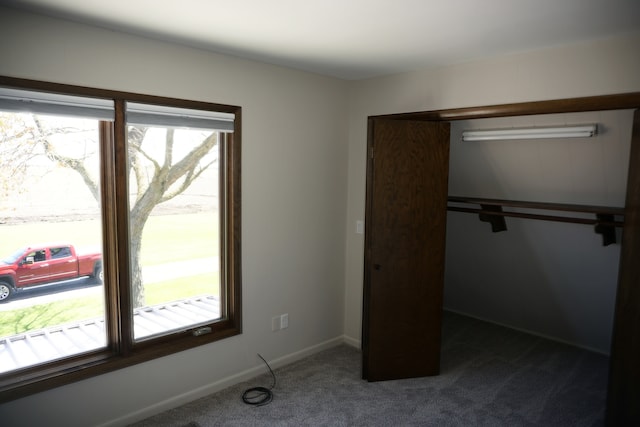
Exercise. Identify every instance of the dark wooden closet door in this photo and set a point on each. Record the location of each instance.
(623, 404)
(407, 177)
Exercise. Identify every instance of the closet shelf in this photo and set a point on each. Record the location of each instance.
(492, 211)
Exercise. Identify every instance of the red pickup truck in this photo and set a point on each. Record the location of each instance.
(43, 264)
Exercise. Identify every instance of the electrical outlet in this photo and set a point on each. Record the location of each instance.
(275, 323)
(284, 321)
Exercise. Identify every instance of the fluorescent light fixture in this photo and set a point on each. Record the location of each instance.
(583, 131)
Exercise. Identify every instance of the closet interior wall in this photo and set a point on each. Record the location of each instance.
(554, 279)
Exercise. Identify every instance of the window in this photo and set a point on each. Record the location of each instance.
(62, 252)
(144, 192)
(174, 221)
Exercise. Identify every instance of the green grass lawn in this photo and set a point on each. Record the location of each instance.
(167, 238)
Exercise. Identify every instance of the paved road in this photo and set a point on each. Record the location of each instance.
(89, 286)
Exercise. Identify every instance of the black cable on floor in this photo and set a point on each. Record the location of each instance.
(259, 396)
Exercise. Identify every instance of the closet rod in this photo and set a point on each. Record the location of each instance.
(556, 218)
(491, 211)
(605, 210)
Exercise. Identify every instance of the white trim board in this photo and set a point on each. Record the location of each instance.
(527, 331)
(221, 384)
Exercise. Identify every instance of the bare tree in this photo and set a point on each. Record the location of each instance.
(167, 179)
(155, 180)
(18, 147)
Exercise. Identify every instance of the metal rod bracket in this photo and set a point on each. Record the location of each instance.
(604, 227)
(497, 222)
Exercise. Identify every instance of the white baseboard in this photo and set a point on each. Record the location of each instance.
(293, 357)
(353, 342)
(223, 383)
(530, 332)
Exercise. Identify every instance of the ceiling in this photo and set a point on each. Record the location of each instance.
(356, 39)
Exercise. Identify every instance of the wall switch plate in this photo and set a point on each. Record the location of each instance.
(275, 323)
(284, 321)
(359, 227)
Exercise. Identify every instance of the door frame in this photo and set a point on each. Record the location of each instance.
(624, 371)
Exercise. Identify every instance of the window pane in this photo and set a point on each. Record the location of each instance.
(174, 228)
(51, 239)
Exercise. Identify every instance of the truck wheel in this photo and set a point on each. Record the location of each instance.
(99, 274)
(5, 291)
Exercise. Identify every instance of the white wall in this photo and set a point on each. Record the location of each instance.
(294, 158)
(549, 278)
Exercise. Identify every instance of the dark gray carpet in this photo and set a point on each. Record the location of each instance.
(491, 376)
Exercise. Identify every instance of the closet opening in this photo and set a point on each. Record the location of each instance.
(559, 182)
